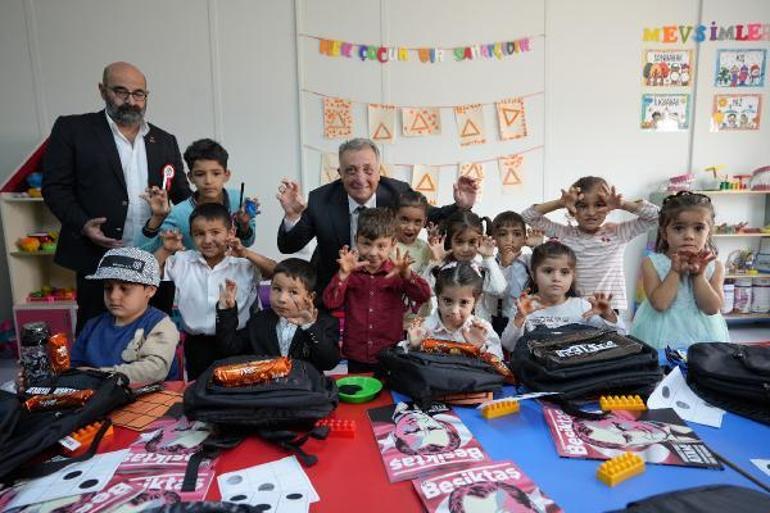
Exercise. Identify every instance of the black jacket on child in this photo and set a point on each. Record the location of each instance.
(318, 344)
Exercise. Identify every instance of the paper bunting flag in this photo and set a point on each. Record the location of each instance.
(425, 180)
(420, 121)
(474, 170)
(470, 124)
(386, 170)
(513, 122)
(338, 118)
(382, 123)
(330, 163)
(510, 171)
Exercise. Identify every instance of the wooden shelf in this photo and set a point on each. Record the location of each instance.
(737, 235)
(731, 192)
(732, 317)
(740, 276)
(20, 199)
(32, 253)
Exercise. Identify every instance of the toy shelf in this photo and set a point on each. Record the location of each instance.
(32, 253)
(733, 192)
(739, 276)
(751, 234)
(22, 199)
(739, 318)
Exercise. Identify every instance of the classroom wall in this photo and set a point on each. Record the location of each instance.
(229, 69)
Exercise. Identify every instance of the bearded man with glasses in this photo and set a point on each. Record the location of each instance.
(96, 168)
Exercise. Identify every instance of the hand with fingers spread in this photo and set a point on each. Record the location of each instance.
(304, 312)
(235, 246)
(525, 305)
(93, 230)
(569, 198)
(401, 265)
(158, 200)
(601, 305)
(680, 262)
(465, 192)
(348, 262)
(611, 197)
(416, 332)
(487, 246)
(437, 251)
(227, 294)
(699, 261)
(434, 231)
(171, 241)
(535, 237)
(476, 333)
(290, 197)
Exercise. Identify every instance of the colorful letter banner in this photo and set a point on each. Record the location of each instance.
(510, 168)
(382, 123)
(470, 124)
(338, 118)
(511, 118)
(425, 180)
(421, 121)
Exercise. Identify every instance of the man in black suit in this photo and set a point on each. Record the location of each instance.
(95, 168)
(331, 213)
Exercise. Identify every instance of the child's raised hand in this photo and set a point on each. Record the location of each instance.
(570, 197)
(401, 265)
(465, 191)
(304, 312)
(535, 237)
(227, 292)
(611, 197)
(601, 305)
(290, 197)
(680, 262)
(437, 251)
(416, 333)
(235, 246)
(171, 241)
(476, 333)
(243, 216)
(348, 261)
(487, 246)
(699, 261)
(525, 305)
(157, 198)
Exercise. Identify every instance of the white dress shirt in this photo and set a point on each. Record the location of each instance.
(434, 328)
(133, 160)
(198, 285)
(285, 331)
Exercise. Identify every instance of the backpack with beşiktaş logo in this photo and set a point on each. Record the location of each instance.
(581, 362)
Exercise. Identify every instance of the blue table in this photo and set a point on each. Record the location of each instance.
(524, 438)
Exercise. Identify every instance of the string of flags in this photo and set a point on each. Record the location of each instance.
(426, 55)
(425, 177)
(424, 121)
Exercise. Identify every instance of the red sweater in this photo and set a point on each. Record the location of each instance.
(374, 309)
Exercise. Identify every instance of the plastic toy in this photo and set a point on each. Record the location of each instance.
(38, 241)
(343, 428)
(358, 389)
(80, 440)
(620, 468)
(51, 294)
(622, 402)
(760, 179)
(251, 207)
(499, 409)
(35, 182)
(680, 183)
(28, 244)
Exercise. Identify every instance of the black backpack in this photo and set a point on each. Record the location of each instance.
(580, 362)
(277, 410)
(703, 499)
(26, 435)
(427, 376)
(734, 377)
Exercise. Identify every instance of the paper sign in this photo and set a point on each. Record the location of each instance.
(740, 68)
(382, 123)
(330, 163)
(470, 124)
(510, 171)
(425, 180)
(338, 118)
(386, 170)
(667, 68)
(736, 112)
(511, 119)
(673, 392)
(420, 121)
(665, 112)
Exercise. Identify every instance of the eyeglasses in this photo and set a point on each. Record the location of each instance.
(123, 93)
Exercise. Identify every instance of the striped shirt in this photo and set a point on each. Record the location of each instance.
(600, 254)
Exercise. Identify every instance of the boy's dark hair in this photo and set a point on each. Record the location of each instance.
(676, 204)
(205, 149)
(299, 269)
(587, 183)
(464, 220)
(459, 274)
(410, 198)
(507, 218)
(375, 223)
(552, 249)
(212, 212)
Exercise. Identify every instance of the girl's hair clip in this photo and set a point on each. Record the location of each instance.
(454, 263)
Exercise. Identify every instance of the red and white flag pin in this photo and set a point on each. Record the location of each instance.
(168, 176)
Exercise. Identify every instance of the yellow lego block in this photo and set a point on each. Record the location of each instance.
(620, 468)
(622, 402)
(498, 409)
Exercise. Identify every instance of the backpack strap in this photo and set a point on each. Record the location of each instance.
(210, 449)
(293, 442)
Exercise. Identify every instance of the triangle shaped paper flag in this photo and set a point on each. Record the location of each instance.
(420, 121)
(510, 171)
(425, 180)
(330, 162)
(470, 124)
(382, 122)
(511, 118)
(338, 118)
(476, 171)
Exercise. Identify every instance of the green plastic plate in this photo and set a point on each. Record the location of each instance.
(364, 388)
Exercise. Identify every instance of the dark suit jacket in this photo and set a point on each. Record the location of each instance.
(327, 218)
(319, 344)
(83, 179)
